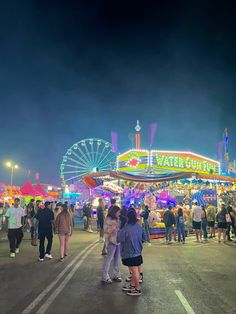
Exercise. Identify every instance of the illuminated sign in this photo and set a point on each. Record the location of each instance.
(133, 160)
(183, 161)
(158, 161)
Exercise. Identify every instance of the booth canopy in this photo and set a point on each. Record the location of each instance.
(40, 190)
(28, 190)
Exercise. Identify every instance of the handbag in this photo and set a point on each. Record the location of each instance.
(228, 219)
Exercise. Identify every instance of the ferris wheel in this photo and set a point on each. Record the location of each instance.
(86, 156)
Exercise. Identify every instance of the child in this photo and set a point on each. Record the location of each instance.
(131, 237)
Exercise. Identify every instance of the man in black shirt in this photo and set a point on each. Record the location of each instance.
(45, 218)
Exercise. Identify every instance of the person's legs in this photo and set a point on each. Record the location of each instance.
(146, 228)
(49, 245)
(219, 234)
(41, 245)
(182, 227)
(170, 234)
(19, 237)
(67, 237)
(135, 277)
(224, 234)
(179, 232)
(62, 244)
(116, 262)
(12, 239)
(107, 262)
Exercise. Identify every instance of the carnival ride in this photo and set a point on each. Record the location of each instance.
(86, 156)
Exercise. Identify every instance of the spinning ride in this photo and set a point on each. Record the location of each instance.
(84, 157)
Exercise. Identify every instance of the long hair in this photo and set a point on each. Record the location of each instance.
(112, 212)
(180, 211)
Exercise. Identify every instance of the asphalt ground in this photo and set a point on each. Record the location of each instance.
(190, 278)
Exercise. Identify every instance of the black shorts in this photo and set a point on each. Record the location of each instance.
(222, 225)
(197, 225)
(211, 224)
(133, 261)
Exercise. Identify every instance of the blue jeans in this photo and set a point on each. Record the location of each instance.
(181, 231)
(204, 228)
(146, 229)
(169, 233)
(113, 252)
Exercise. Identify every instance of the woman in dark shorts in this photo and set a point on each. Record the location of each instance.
(221, 222)
(131, 237)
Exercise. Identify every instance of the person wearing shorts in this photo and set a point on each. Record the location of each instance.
(211, 213)
(131, 238)
(196, 216)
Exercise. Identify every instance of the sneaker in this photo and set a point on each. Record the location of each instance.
(104, 253)
(48, 256)
(141, 278)
(107, 281)
(127, 288)
(17, 250)
(41, 259)
(117, 279)
(12, 254)
(65, 255)
(61, 259)
(134, 292)
(128, 279)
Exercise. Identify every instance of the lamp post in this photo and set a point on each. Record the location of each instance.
(12, 167)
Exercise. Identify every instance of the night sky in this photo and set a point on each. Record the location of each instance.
(76, 69)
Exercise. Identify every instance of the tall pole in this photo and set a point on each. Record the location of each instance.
(12, 170)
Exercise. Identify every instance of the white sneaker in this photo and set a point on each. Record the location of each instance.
(48, 256)
(12, 254)
(17, 250)
(41, 259)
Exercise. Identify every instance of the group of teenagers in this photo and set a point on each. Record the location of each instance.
(45, 223)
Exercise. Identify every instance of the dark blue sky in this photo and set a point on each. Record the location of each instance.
(76, 69)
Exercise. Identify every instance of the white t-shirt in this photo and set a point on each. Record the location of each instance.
(197, 212)
(14, 217)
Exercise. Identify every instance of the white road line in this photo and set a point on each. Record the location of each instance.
(184, 302)
(39, 298)
(53, 296)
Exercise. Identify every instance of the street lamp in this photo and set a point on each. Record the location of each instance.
(12, 167)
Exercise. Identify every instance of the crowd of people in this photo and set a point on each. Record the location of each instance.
(44, 220)
(120, 231)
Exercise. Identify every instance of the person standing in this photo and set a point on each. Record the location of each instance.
(45, 221)
(111, 228)
(145, 214)
(131, 237)
(204, 223)
(14, 219)
(180, 223)
(211, 216)
(64, 227)
(100, 218)
(123, 216)
(230, 221)
(196, 217)
(169, 221)
(221, 222)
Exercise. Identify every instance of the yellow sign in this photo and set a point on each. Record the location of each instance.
(183, 162)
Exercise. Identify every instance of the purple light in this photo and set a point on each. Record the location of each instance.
(152, 132)
(114, 140)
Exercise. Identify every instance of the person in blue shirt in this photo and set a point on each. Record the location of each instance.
(131, 238)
